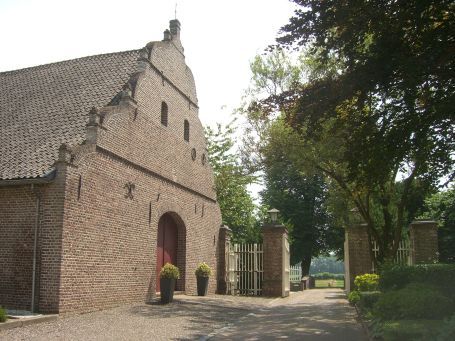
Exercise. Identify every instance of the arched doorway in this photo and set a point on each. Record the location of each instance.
(170, 246)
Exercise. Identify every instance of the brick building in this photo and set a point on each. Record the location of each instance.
(103, 178)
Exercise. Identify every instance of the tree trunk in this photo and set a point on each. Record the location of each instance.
(306, 262)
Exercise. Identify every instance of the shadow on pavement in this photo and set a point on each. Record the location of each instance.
(204, 316)
(298, 322)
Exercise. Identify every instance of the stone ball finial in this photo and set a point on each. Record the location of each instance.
(167, 35)
(144, 53)
(127, 90)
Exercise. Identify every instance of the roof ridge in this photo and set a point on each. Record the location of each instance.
(43, 66)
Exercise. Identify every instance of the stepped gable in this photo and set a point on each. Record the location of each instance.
(44, 106)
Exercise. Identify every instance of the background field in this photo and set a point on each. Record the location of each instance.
(329, 283)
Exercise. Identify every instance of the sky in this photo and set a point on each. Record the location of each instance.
(220, 37)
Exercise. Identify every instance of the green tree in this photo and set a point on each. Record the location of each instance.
(441, 207)
(376, 111)
(301, 198)
(270, 148)
(327, 264)
(236, 204)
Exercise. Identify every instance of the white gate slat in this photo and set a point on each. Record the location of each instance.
(403, 255)
(296, 273)
(246, 269)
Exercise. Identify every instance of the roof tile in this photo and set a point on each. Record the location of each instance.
(44, 106)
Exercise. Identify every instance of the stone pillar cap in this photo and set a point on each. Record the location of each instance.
(270, 226)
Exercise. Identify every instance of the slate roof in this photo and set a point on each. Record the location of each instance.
(44, 106)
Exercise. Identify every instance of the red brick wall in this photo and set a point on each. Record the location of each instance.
(17, 222)
(109, 240)
(97, 247)
(272, 236)
(17, 218)
(357, 260)
(145, 141)
(50, 242)
(424, 241)
(109, 245)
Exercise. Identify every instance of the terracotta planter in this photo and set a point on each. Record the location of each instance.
(167, 286)
(202, 285)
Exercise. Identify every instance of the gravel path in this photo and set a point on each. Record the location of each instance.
(312, 312)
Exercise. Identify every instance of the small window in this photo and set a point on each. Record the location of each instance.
(164, 111)
(186, 131)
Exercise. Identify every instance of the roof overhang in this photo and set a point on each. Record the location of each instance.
(45, 179)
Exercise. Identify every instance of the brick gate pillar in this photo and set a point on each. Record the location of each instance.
(274, 238)
(424, 241)
(224, 238)
(357, 257)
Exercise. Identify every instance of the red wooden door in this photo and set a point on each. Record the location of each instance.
(166, 251)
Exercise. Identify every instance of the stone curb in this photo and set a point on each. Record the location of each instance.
(21, 322)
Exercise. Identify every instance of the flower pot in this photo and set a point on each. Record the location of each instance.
(167, 286)
(202, 285)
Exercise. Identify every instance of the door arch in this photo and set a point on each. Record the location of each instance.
(170, 246)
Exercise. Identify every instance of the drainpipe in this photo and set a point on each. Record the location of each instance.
(35, 243)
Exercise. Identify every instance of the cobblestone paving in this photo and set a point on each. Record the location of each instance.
(315, 314)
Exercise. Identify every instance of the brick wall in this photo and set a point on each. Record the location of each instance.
(17, 219)
(18, 213)
(272, 236)
(424, 241)
(142, 138)
(50, 242)
(97, 245)
(109, 239)
(357, 257)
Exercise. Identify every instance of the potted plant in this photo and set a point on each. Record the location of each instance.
(168, 275)
(203, 273)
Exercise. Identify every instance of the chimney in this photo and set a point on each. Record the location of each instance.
(174, 26)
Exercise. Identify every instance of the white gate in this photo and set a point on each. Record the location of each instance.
(296, 272)
(403, 255)
(245, 269)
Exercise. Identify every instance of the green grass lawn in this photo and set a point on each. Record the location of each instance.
(329, 283)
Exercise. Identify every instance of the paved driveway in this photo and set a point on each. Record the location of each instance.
(318, 314)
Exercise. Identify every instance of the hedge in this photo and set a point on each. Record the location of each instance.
(327, 275)
(368, 299)
(410, 330)
(440, 276)
(413, 302)
(402, 330)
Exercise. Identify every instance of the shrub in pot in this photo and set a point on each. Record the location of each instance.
(203, 273)
(168, 275)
